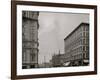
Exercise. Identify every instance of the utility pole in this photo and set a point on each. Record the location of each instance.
(44, 61)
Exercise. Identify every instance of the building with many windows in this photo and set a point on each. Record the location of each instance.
(77, 45)
(30, 39)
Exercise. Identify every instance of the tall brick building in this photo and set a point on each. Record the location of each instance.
(30, 39)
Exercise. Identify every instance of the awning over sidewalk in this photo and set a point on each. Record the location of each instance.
(86, 61)
(67, 63)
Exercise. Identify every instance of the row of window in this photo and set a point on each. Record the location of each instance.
(28, 56)
(74, 57)
(30, 34)
(77, 43)
(29, 14)
(85, 28)
(80, 49)
(73, 40)
(81, 31)
(84, 55)
(29, 45)
(29, 37)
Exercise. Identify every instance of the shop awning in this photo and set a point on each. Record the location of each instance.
(67, 63)
(86, 61)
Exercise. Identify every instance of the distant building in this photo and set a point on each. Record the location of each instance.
(29, 39)
(77, 45)
(57, 60)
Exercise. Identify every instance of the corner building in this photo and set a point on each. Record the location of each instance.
(77, 45)
(30, 39)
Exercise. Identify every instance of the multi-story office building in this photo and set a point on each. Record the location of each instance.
(30, 39)
(77, 45)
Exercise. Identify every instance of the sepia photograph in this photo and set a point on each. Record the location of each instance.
(52, 39)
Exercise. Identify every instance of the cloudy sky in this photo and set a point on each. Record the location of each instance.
(53, 28)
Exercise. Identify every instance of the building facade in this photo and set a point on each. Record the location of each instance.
(30, 39)
(57, 60)
(77, 45)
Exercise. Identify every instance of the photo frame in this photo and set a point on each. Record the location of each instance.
(17, 12)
